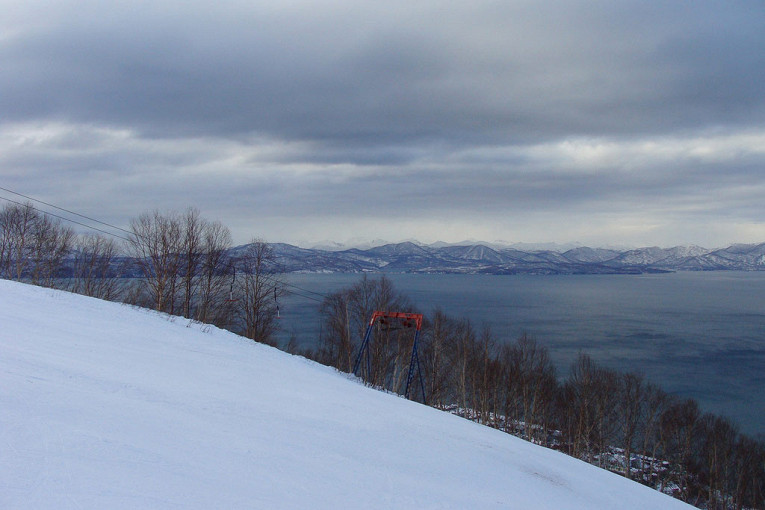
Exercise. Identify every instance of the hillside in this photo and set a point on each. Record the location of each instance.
(107, 406)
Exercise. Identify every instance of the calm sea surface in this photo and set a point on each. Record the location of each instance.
(697, 334)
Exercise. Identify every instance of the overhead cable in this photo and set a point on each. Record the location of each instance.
(302, 292)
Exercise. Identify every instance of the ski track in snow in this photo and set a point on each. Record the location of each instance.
(108, 406)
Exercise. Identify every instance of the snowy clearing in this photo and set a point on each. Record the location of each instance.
(106, 406)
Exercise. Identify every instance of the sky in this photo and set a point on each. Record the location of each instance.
(604, 123)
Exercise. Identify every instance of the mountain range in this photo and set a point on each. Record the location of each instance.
(410, 257)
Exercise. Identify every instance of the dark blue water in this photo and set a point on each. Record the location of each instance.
(697, 334)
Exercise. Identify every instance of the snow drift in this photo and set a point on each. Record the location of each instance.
(107, 406)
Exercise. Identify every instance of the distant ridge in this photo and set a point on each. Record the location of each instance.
(411, 257)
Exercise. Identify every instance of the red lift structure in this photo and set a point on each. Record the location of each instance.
(393, 320)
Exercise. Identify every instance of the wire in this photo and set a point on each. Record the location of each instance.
(293, 293)
(302, 292)
(71, 212)
(65, 219)
(323, 296)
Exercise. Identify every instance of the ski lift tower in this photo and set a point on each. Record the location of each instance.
(394, 320)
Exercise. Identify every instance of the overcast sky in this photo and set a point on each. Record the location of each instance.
(600, 122)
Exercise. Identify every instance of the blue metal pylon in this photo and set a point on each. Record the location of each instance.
(407, 320)
(364, 348)
(415, 360)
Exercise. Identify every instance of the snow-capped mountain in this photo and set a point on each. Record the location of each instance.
(590, 255)
(479, 258)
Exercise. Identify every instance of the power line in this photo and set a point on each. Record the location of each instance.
(71, 212)
(323, 296)
(292, 292)
(63, 218)
(302, 292)
(301, 289)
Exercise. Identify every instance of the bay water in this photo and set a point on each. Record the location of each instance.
(696, 334)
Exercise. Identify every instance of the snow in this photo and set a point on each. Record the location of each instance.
(108, 406)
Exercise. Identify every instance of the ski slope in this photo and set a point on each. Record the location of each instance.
(104, 406)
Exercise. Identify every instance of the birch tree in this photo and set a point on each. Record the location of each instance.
(259, 287)
(156, 244)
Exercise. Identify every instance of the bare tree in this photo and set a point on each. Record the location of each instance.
(656, 402)
(192, 232)
(589, 396)
(17, 224)
(33, 245)
(259, 286)
(435, 363)
(6, 242)
(460, 351)
(51, 243)
(749, 473)
(719, 439)
(511, 390)
(336, 342)
(679, 428)
(346, 316)
(156, 244)
(214, 275)
(93, 273)
(484, 376)
(530, 387)
(630, 406)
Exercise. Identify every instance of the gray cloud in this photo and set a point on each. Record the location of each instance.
(307, 115)
(345, 73)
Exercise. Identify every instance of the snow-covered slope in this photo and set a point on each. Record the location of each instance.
(106, 406)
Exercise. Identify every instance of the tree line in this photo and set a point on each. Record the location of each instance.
(183, 264)
(619, 421)
(174, 262)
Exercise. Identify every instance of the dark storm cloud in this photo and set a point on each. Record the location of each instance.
(363, 74)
